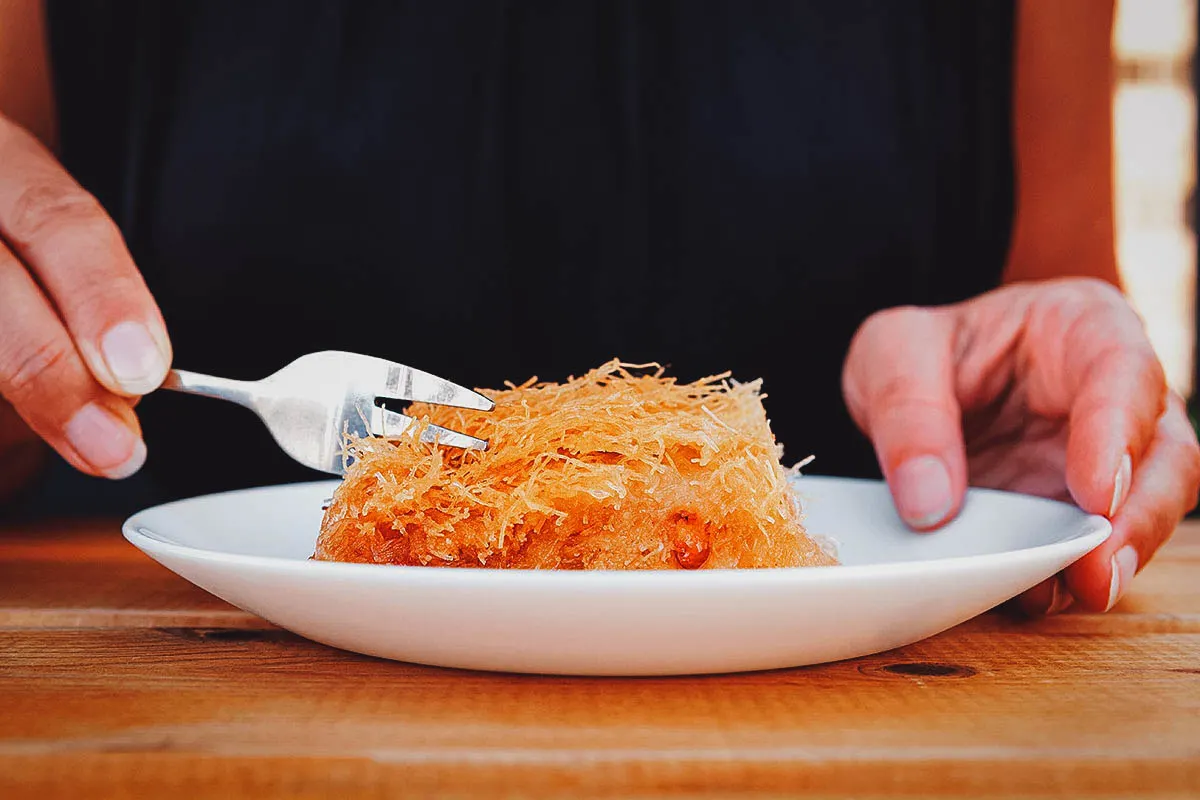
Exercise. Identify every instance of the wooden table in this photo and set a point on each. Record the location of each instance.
(119, 679)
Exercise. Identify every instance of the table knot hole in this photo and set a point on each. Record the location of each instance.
(226, 634)
(927, 669)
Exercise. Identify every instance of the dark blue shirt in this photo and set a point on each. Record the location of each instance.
(493, 190)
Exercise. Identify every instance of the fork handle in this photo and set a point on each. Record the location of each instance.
(240, 392)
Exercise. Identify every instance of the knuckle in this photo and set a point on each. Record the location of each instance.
(26, 374)
(901, 391)
(1103, 290)
(889, 317)
(1096, 318)
(902, 395)
(1094, 308)
(1093, 289)
(103, 299)
(881, 326)
(1132, 355)
(45, 210)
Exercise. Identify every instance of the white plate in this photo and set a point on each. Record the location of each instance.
(251, 548)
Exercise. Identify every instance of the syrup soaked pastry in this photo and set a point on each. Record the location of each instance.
(622, 468)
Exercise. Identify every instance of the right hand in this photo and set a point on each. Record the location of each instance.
(80, 336)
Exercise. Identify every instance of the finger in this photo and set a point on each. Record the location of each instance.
(1112, 422)
(1049, 597)
(67, 240)
(1110, 383)
(45, 380)
(899, 387)
(1163, 490)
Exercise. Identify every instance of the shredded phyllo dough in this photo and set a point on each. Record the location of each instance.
(622, 468)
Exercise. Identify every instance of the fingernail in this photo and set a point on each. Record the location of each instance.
(103, 442)
(1060, 599)
(924, 495)
(1124, 565)
(1121, 483)
(133, 357)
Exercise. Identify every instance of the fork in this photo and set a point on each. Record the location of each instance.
(313, 403)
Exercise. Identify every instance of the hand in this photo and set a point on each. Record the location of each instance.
(80, 336)
(1047, 388)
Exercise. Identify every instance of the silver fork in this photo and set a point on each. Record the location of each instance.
(310, 405)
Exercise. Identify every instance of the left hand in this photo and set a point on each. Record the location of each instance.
(1047, 388)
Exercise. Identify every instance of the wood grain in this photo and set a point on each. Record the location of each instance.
(118, 679)
(86, 575)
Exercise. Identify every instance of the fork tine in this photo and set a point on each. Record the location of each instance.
(390, 424)
(407, 383)
(436, 434)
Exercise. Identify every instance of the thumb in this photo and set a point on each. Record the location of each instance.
(898, 381)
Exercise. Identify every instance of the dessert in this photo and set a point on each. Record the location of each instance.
(620, 468)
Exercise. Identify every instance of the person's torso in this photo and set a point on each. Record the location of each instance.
(490, 191)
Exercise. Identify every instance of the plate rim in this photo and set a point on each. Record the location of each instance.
(1093, 527)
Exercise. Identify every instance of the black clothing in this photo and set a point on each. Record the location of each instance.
(494, 190)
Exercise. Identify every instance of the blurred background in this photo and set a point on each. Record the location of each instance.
(1155, 129)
